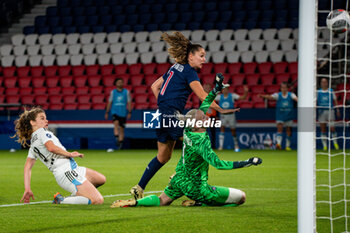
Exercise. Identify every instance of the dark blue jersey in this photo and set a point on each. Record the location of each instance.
(176, 88)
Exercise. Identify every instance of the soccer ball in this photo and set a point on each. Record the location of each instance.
(338, 21)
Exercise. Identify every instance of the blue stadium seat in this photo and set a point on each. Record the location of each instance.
(239, 15)
(66, 21)
(130, 9)
(90, 10)
(78, 11)
(323, 5)
(207, 26)
(322, 17)
(198, 16)
(132, 19)
(138, 27)
(98, 2)
(250, 24)
(103, 10)
(105, 19)
(265, 24)
(112, 2)
(158, 18)
(51, 11)
(224, 6)
(149, 1)
(125, 28)
(145, 18)
(281, 14)
(250, 5)
(40, 21)
(92, 20)
(221, 25)
(53, 21)
(79, 20)
(86, 3)
(197, 6)
(171, 7)
(97, 28)
(70, 29)
(237, 5)
(267, 15)
(212, 16)
(180, 26)
(253, 15)
(28, 30)
(265, 5)
(185, 17)
(74, 3)
(280, 24)
(172, 17)
(56, 30)
(83, 29)
(293, 14)
(210, 6)
(165, 27)
(65, 11)
(225, 16)
(293, 4)
(236, 25)
(43, 30)
(116, 9)
(119, 19)
(193, 26)
(156, 8)
(152, 27)
(280, 4)
(143, 8)
(62, 3)
(110, 28)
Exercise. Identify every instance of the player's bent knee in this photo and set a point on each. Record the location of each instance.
(97, 200)
(242, 199)
(236, 196)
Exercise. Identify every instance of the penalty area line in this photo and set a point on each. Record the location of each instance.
(43, 202)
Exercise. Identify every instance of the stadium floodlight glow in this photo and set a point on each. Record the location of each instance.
(306, 116)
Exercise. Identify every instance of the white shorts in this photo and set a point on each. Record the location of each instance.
(228, 120)
(326, 117)
(286, 123)
(69, 179)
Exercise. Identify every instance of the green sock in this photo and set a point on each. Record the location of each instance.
(151, 200)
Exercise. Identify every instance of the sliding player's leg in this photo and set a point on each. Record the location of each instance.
(279, 135)
(96, 178)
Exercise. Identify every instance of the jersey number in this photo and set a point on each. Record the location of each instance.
(36, 150)
(167, 83)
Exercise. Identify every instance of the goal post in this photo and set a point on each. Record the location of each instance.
(306, 115)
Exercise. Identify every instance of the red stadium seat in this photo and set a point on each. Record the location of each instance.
(85, 106)
(265, 67)
(140, 89)
(107, 90)
(252, 79)
(237, 79)
(9, 71)
(69, 99)
(162, 68)
(153, 106)
(54, 90)
(49, 71)
(83, 99)
(99, 106)
(208, 78)
(23, 71)
(108, 80)
(125, 77)
(141, 98)
(12, 99)
(267, 79)
(152, 99)
(259, 105)
(239, 90)
(66, 81)
(1, 80)
(220, 68)
(149, 79)
(27, 99)
(64, 70)
(38, 81)
(80, 81)
(96, 90)
(92, 70)
(40, 100)
(141, 106)
(271, 104)
(257, 89)
(257, 99)
(246, 105)
(24, 82)
(10, 82)
(39, 90)
(78, 70)
(272, 89)
(25, 91)
(72, 106)
(195, 100)
(55, 99)
(106, 69)
(293, 67)
(98, 99)
(234, 68)
(2, 90)
(56, 106)
(94, 80)
(135, 68)
(280, 67)
(82, 90)
(52, 81)
(280, 78)
(12, 91)
(149, 69)
(207, 68)
(68, 90)
(129, 88)
(136, 80)
(249, 68)
(120, 69)
(294, 78)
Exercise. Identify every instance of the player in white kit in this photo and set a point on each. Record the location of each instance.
(81, 182)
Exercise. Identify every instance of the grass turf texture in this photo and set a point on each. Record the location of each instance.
(271, 190)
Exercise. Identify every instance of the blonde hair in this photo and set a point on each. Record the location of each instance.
(180, 46)
(23, 127)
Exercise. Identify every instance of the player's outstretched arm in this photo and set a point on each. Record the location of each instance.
(27, 177)
(247, 163)
(50, 146)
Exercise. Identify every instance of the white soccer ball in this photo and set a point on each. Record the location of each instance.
(338, 21)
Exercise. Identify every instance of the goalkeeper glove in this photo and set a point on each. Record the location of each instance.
(246, 163)
(219, 85)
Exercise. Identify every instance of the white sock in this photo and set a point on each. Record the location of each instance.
(236, 142)
(287, 142)
(279, 138)
(221, 140)
(334, 135)
(324, 139)
(76, 200)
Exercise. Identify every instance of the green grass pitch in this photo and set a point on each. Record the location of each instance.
(271, 190)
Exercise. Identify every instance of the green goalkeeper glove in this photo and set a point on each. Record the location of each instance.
(219, 85)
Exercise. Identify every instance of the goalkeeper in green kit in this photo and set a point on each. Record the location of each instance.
(192, 170)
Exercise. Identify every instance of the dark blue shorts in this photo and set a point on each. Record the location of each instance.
(167, 131)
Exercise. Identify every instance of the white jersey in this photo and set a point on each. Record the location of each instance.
(39, 151)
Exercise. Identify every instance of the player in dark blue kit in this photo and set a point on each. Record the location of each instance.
(172, 91)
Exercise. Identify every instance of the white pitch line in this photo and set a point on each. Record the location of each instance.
(42, 202)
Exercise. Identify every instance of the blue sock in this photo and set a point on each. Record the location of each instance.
(151, 169)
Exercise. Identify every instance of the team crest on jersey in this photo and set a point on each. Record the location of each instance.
(48, 135)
